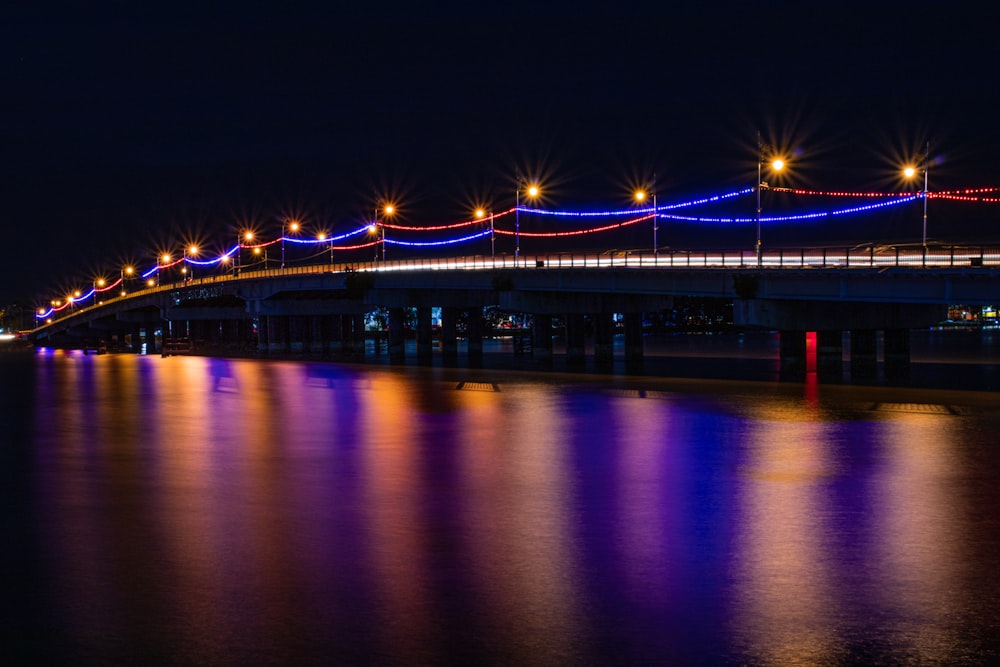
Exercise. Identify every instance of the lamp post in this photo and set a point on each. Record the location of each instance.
(192, 252)
(387, 210)
(640, 196)
(910, 173)
(166, 260)
(245, 236)
(293, 226)
(126, 271)
(777, 164)
(532, 191)
(480, 214)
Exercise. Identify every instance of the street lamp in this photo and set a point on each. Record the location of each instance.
(776, 165)
(126, 273)
(910, 173)
(640, 196)
(322, 237)
(192, 252)
(293, 226)
(388, 210)
(246, 236)
(166, 260)
(480, 214)
(532, 191)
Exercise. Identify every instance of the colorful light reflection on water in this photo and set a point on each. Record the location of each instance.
(206, 510)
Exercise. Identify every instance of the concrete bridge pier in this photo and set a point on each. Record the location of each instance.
(449, 336)
(896, 353)
(425, 342)
(576, 353)
(356, 324)
(864, 354)
(541, 339)
(397, 336)
(830, 355)
(474, 338)
(792, 361)
(604, 341)
(634, 355)
(136, 339)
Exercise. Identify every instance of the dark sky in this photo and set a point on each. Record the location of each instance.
(124, 128)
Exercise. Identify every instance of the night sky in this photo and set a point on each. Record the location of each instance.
(126, 128)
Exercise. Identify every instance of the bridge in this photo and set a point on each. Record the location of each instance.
(321, 308)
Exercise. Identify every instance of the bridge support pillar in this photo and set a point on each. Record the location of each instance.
(541, 339)
(793, 355)
(604, 341)
(576, 352)
(474, 336)
(314, 331)
(449, 336)
(296, 339)
(425, 343)
(896, 351)
(864, 361)
(830, 356)
(357, 336)
(397, 336)
(634, 355)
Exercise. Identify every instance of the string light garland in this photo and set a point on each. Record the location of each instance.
(973, 195)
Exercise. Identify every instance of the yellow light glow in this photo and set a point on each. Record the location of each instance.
(910, 172)
(321, 236)
(390, 209)
(225, 259)
(294, 226)
(372, 229)
(165, 258)
(256, 251)
(129, 270)
(778, 164)
(150, 282)
(76, 293)
(100, 282)
(248, 236)
(533, 191)
(640, 195)
(41, 311)
(193, 250)
(480, 213)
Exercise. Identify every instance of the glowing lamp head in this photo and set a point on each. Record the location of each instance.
(480, 213)
(293, 226)
(640, 195)
(100, 282)
(533, 191)
(321, 236)
(129, 270)
(910, 172)
(256, 251)
(372, 229)
(76, 293)
(777, 164)
(165, 258)
(390, 209)
(150, 282)
(248, 236)
(193, 250)
(41, 311)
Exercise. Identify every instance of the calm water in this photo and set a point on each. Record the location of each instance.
(193, 510)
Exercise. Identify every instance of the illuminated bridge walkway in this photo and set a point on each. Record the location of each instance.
(321, 308)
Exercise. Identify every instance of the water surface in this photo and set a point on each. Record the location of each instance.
(195, 510)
